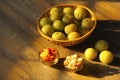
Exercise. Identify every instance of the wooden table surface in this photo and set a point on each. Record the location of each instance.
(20, 42)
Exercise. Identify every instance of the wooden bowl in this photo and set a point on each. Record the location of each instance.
(67, 42)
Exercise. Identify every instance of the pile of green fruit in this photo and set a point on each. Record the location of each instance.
(101, 47)
(66, 23)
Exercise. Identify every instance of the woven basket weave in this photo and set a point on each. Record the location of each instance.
(67, 42)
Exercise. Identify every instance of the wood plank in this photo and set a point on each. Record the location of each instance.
(20, 42)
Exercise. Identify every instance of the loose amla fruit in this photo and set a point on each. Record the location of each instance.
(47, 30)
(70, 28)
(58, 36)
(68, 10)
(87, 23)
(101, 45)
(90, 53)
(44, 21)
(80, 13)
(106, 57)
(58, 25)
(73, 35)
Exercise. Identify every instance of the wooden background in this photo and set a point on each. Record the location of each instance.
(20, 42)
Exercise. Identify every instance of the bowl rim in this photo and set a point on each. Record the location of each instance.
(65, 5)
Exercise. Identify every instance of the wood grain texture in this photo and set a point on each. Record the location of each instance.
(20, 42)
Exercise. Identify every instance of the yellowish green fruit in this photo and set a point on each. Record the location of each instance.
(47, 30)
(68, 10)
(68, 18)
(90, 53)
(73, 35)
(70, 28)
(54, 10)
(55, 16)
(106, 57)
(58, 36)
(101, 45)
(80, 13)
(58, 25)
(44, 21)
(87, 23)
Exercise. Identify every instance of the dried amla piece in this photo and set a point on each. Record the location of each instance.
(49, 56)
(73, 63)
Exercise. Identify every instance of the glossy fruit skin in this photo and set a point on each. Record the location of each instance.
(101, 45)
(47, 30)
(90, 53)
(63, 16)
(70, 28)
(55, 10)
(73, 35)
(68, 10)
(68, 18)
(80, 13)
(58, 36)
(55, 16)
(58, 25)
(87, 23)
(44, 21)
(106, 57)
